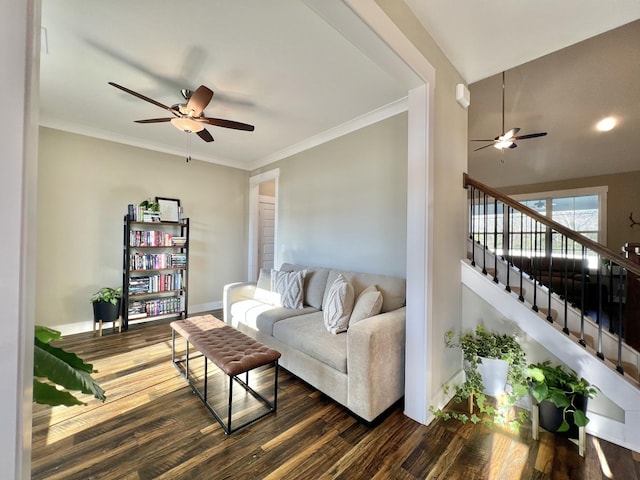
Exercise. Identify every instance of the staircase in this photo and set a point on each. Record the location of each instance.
(576, 331)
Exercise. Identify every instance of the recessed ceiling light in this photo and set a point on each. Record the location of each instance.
(606, 124)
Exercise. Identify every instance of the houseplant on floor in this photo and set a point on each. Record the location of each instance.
(59, 368)
(106, 304)
(479, 348)
(561, 396)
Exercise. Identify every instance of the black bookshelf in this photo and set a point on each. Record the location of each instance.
(155, 270)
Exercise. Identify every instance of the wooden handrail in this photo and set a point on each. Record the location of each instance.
(555, 226)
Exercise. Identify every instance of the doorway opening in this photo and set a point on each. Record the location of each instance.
(263, 223)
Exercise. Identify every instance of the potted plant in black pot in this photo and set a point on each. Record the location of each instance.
(495, 365)
(106, 305)
(561, 397)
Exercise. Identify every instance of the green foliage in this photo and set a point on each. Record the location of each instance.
(62, 368)
(149, 204)
(560, 386)
(107, 294)
(481, 343)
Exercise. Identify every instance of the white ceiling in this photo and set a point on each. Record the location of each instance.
(277, 65)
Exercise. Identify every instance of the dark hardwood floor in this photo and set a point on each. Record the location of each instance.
(153, 426)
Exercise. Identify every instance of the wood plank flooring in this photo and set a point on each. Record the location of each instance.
(153, 427)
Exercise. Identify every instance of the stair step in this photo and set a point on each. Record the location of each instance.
(545, 312)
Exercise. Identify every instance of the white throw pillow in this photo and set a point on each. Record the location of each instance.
(368, 304)
(263, 291)
(337, 309)
(290, 287)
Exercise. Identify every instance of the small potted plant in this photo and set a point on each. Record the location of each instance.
(561, 397)
(106, 305)
(485, 354)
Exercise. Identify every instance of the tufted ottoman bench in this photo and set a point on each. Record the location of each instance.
(231, 351)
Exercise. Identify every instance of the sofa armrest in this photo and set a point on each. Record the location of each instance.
(234, 292)
(375, 363)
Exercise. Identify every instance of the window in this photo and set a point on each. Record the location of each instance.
(583, 210)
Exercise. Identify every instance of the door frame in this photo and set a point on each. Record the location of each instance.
(254, 200)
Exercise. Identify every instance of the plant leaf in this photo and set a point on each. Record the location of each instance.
(46, 334)
(46, 394)
(564, 426)
(64, 369)
(580, 418)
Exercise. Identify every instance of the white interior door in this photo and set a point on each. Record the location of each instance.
(266, 231)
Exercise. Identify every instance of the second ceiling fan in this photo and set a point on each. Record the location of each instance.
(507, 139)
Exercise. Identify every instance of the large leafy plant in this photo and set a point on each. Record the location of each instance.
(560, 386)
(482, 343)
(60, 368)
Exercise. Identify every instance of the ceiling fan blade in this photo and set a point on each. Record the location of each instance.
(510, 134)
(221, 122)
(199, 100)
(146, 99)
(513, 145)
(485, 146)
(205, 135)
(154, 120)
(530, 135)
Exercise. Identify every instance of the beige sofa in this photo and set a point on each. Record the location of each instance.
(362, 368)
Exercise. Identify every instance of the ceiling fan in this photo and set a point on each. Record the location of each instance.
(189, 117)
(507, 139)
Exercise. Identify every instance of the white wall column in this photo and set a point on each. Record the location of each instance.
(19, 48)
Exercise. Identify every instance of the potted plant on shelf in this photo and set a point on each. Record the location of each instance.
(561, 397)
(106, 305)
(495, 365)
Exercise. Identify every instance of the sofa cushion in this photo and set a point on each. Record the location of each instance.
(263, 291)
(307, 334)
(290, 286)
(368, 304)
(262, 316)
(339, 305)
(315, 282)
(393, 289)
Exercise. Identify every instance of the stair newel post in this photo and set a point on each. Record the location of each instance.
(472, 220)
(484, 235)
(506, 247)
(583, 279)
(599, 307)
(565, 240)
(619, 367)
(520, 297)
(549, 288)
(534, 266)
(495, 240)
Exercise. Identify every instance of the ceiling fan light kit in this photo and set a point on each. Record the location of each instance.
(187, 124)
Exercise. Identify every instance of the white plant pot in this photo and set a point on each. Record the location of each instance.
(494, 375)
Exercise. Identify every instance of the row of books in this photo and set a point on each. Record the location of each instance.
(138, 213)
(156, 261)
(141, 309)
(163, 282)
(150, 238)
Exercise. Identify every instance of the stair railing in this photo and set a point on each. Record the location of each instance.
(497, 223)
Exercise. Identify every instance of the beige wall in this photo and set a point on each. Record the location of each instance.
(623, 198)
(84, 187)
(343, 204)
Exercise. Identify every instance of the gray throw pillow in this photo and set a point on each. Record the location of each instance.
(368, 304)
(290, 287)
(338, 306)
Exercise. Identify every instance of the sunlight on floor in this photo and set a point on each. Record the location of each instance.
(604, 465)
(508, 457)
